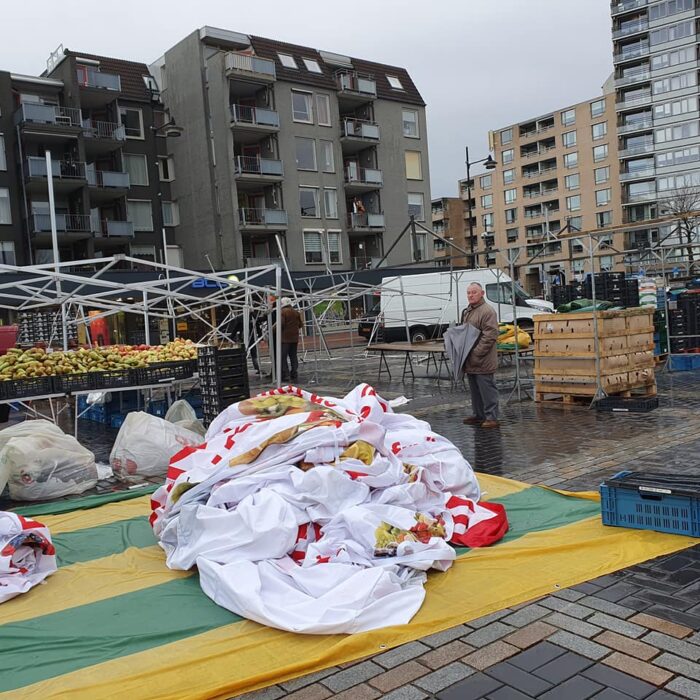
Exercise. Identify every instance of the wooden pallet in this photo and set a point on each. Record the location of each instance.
(584, 399)
(660, 359)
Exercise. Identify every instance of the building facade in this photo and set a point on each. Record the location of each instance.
(286, 146)
(447, 215)
(98, 118)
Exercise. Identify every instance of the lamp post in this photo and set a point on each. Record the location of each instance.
(489, 164)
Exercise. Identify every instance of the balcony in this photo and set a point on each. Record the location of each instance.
(110, 228)
(631, 52)
(640, 174)
(362, 179)
(636, 150)
(257, 170)
(537, 152)
(106, 185)
(250, 67)
(65, 223)
(354, 88)
(633, 197)
(249, 122)
(633, 77)
(627, 5)
(55, 122)
(262, 219)
(67, 176)
(539, 193)
(636, 125)
(357, 134)
(634, 101)
(538, 173)
(97, 88)
(631, 28)
(365, 221)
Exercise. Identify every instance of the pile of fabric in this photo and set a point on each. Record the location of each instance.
(508, 337)
(320, 515)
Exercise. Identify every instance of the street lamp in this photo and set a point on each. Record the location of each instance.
(489, 164)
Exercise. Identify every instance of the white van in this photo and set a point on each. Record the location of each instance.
(429, 303)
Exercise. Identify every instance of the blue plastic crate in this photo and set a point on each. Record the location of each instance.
(117, 420)
(684, 363)
(652, 502)
(158, 408)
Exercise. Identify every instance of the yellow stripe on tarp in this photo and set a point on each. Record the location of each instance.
(244, 656)
(493, 487)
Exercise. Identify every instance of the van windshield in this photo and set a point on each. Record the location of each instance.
(500, 293)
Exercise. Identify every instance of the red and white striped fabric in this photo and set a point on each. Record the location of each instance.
(308, 534)
(27, 555)
(476, 524)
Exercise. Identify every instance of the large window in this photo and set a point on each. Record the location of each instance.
(601, 175)
(334, 248)
(573, 203)
(140, 213)
(419, 245)
(506, 137)
(416, 206)
(5, 210)
(287, 61)
(305, 153)
(414, 171)
(166, 168)
(576, 223)
(312, 65)
(600, 152)
(394, 82)
(486, 201)
(671, 109)
(671, 7)
(597, 108)
(599, 131)
(409, 118)
(302, 110)
(3, 158)
(137, 167)
(330, 202)
(7, 253)
(327, 158)
(511, 235)
(691, 154)
(603, 219)
(568, 117)
(679, 131)
(132, 121)
(508, 176)
(672, 32)
(569, 139)
(511, 215)
(603, 197)
(171, 214)
(572, 182)
(313, 248)
(308, 202)
(673, 58)
(507, 156)
(486, 181)
(510, 195)
(571, 160)
(676, 82)
(323, 110)
(487, 221)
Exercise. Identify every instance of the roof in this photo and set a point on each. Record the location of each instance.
(269, 48)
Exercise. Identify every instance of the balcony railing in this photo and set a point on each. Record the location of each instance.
(628, 5)
(256, 116)
(65, 223)
(103, 130)
(365, 263)
(48, 114)
(60, 169)
(365, 220)
(647, 196)
(634, 101)
(91, 78)
(118, 229)
(539, 173)
(359, 128)
(351, 81)
(632, 52)
(262, 262)
(252, 165)
(262, 217)
(637, 149)
(363, 176)
(252, 65)
(633, 77)
(636, 125)
(631, 28)
(107, 178)
(537, 152)
(638, 174)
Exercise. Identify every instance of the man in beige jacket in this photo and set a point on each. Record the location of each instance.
(482, 361)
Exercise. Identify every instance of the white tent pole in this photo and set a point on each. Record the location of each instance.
(278, 338)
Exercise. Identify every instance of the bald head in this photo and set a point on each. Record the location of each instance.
(475, 293)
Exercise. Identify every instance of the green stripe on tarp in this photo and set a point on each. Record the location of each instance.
(84, 503)
(52, 645)
(101, 541)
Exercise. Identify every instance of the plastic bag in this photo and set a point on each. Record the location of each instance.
(38, 461)
(182, 414)
(145, 444)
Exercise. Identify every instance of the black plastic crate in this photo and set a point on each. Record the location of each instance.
(632, 404)
(30, 386)
(66, 383)
(153, 374)
(178, 370)
(112, 378)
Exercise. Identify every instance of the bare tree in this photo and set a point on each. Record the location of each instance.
(684, 205)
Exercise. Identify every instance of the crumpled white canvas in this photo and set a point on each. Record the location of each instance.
(314, 514)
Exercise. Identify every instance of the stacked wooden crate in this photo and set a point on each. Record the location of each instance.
(566, 348)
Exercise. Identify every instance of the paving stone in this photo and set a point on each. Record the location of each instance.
(663, 695)
(507, 693)
(635, 603)
(660, 625)
(272, 692)
(531, 634)
(610, 694)
(488, 634)
(631, 647)
(586, 588)
(685, 688)
(487, 619)
(473, 688)
(440, 638)
(399, 655)
(406, 692)
(490, 655)
(563, 667)
(602, 605)
(611, 678)
(358, 692)
(664, 600)
(637, 668)
(303, 681)
(580, 645)
(617, 592)
(684, 577)
(614, 624)
(311, 692)
(694, 639)
(525, 616)
(576, 688)
(679, 665)
(607, 580)
(352, 676)
(677, 616)
(675, 646)
(571, 624)
(444, 677)
(398, 676)
(648, 582)
(536, 656)
(674, 563)
(512, 675)
(445, 654)
(571, 609)
(569, 594)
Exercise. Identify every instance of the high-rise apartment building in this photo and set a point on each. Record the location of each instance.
(447, 214)
(325, 153)
(658, 123)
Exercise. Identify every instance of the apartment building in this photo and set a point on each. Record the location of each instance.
(447, 215)
(554, 173)
(655, 53)
(322, 154)
(99, 118)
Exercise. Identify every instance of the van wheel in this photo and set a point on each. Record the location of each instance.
(419, 334)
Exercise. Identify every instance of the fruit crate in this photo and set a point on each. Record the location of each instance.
(67, 383)
(178, 369)
(660, 502)
(632, 404)
(112, 378)
(153, 374)
(30, 386)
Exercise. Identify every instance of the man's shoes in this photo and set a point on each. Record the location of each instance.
(294, 377)
(490, 424)
(473, 420)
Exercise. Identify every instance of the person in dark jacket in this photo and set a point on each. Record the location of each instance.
(291, 325)
(482, 361)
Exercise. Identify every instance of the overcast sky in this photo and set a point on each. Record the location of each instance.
(479, 64)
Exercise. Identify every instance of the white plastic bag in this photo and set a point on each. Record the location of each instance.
(182, 414)
(145, 444)
(38, 461)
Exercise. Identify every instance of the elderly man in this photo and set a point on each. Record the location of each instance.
(482, 361)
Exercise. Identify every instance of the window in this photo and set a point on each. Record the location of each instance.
(510, 195)
(3, 158)
(394, 82)
(691, 154)
(171, 214)
(673, 58)
(486, 201)
(511, 216)
(576, 223)
(144, 252)
(140, 213)
(487, 221)
(571, 160)
(312, 65)
(287, 61)
(132, 121)
(569, 139)
(672, 32)
(301, 107)
(506, 136)
(409, 119)
(5, 211)
(414, 170)
(597, 108)
(334, 249)
(330, 202)
(601, 175)
(419, 246)
(603, 219)
(305, 153)
(572, 182)
(323, 110)
(137, 167)
(308, 202)
(166, 169)
(508, 176)
(415, 206)
(327, 158)
(7, 253)
(603, 197)
(671, 109)
(606, 262)
(600, 152)
(676, 82)
(568, 117)
(679, 131)
(485, 181)
(599, 131)
(512, 235)
(313, 250)
(672, 7)
(573, 203)
(507, 156)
